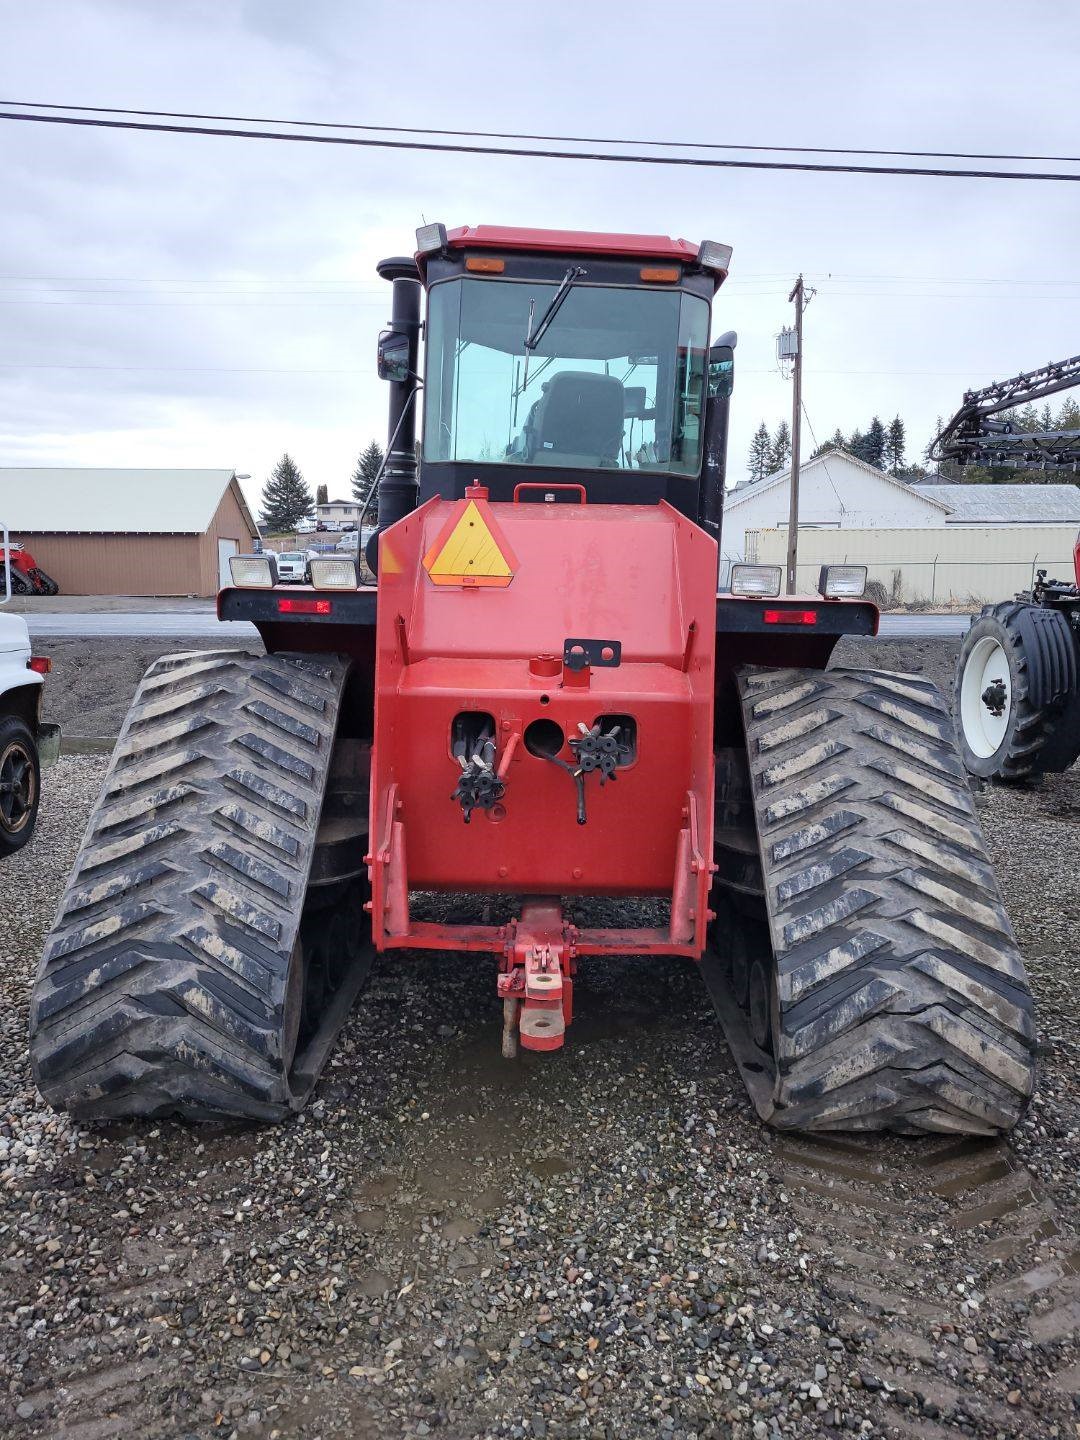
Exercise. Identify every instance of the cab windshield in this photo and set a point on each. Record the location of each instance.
(615, 380)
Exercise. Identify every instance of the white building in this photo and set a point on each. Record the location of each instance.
(836, 492)
(938, 543)
(334, 512)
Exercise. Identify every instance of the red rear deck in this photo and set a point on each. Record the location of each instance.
(644, 577)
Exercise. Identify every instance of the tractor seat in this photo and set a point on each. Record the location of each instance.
(577, 421)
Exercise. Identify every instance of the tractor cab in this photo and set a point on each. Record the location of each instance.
(563, 358)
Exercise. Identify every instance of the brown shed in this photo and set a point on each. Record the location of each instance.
(129, 532)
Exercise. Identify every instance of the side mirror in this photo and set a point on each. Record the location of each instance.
(722, 367)
(393, 356)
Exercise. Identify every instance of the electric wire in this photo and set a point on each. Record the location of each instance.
(545, 139)
(609, 158)
(824, 461)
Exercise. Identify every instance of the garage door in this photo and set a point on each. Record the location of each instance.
(225, 548)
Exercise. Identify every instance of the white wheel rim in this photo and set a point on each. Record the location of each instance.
(986, 698)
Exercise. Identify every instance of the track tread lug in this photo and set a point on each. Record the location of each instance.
(901, 999)
(162, 989)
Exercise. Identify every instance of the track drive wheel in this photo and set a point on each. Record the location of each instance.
(191, 970)
(1017, 693)
(884, 988)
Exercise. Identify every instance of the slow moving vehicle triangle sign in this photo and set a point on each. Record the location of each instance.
(470, 549)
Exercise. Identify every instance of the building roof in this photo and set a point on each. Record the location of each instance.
(91, 501)
(783, 477)
(1006, 504)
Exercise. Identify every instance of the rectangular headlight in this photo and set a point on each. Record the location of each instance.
(838, 582)
(756, 579)
(254, 572)
(712, 255)
(333, 573)
(430, 239)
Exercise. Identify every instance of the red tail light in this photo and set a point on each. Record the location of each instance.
(790, 617)
(289, 606)
(41, 663)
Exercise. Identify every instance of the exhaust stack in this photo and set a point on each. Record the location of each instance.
(398, 489)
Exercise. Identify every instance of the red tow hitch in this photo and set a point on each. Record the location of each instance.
(535, 986)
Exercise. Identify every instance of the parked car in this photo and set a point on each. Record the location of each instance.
(321, 525)
(349, 542)
(347, 525)
(305, 527)
(26, 744)
(294, 567)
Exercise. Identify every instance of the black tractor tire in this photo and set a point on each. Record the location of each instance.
(898, 998)
(20, 584)
(1017, 700)
(173, 981)
(20, 784)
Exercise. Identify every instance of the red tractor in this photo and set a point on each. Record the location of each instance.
(27, 576)
(545, 700)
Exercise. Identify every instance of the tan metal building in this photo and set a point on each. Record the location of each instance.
(129, 532)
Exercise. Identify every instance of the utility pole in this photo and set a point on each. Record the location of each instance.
(798, 295)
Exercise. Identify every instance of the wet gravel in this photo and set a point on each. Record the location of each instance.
(602, 1242)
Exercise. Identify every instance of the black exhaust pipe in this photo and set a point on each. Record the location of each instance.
(398, 487)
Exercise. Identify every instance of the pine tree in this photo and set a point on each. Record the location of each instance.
(894, 446)
(286, 499)
(780, 449)
(835, 442)
(757, 461)
(1068, 417)
(874, 444)
(857, 445)
(363, 480)
(322, 495)
(1028, 419)
(1046, 417)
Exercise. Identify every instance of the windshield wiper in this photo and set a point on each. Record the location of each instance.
(532, 340)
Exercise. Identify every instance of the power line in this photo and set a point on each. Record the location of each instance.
(819, 452)
(545, 139)
(263, 370)
(693, 161)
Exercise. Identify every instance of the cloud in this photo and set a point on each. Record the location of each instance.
(174, 300)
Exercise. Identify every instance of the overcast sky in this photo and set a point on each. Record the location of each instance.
(170, 300)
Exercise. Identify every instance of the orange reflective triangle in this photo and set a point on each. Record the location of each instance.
(469, 550)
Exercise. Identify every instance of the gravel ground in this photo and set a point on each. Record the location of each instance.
(603, 1242)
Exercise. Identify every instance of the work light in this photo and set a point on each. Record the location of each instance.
(713, 256)
(838, 582)
(755, 579)
(334, 573)
(254, 572)
(431, 239)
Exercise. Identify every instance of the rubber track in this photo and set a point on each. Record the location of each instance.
(1045, 733)
(902, 999)
(161, 989)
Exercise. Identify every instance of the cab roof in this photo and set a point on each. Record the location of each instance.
(576, 242)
